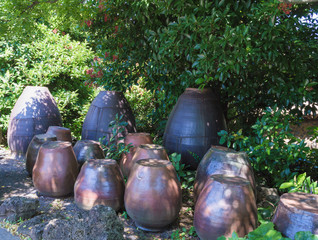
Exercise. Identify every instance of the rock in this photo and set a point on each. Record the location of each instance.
(100, 223)
(265, 195)
(16, 208)
(103, 223)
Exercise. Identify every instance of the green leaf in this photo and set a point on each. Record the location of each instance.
(286, 185)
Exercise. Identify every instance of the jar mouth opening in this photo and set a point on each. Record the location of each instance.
(150, 162)
(138, 134)
(58, 128)
(101, 162)
(152, 147)
(230, 179)
(57, 145)
(197, 89)
(45, 137)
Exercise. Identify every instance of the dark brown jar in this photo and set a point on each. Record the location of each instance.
(222, 160)
(61, 133)
(153, 194)
(193, 125)
(87, 149)
(135, 139)
(297, 212)
(148, 151)
(100, 182)
(34, 148)
(56, 169)
(32, 114)
(102, 111)
(226, 204)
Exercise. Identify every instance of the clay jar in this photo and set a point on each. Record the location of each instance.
(153, 194)
(61, 133)
(135, 139)
(56, 169)
(193, 125)
(226, 204)
(87, 149)
(33, 113)
(100, 182)
(147, 151)
(222, 160)
(34, 148)
(102, 112)
(297, 212)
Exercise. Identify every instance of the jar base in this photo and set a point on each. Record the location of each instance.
(150, 229)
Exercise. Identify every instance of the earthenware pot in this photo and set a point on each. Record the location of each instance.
(297, 212)
(61, 133)
(135, 139)
(34, 148)
(225, 204)
(222, 160)
(87, 149)
(193, 125)
(56, 169)
(153, 194)
(100, 182)
(102, 111)
(33, 113)
(145, 151)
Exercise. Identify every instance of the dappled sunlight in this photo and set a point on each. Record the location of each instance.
(100, 182)
(226, 204)
(33, 113)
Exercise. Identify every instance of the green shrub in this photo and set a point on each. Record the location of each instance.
(301, 183)
(276, 154)
(54, 61)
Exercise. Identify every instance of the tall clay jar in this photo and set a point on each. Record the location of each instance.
(193, 125)
(87, 149)
(102, 111)
(56, 169)
(100, 182)
(147, 151)
(153, 194)
(225, 204)
(34, 148)
(222, 160)
(33, 113)
(135, 139)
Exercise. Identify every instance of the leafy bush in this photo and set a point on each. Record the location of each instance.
(300, 184)
(144, 104)
(115, 147)
(275, 153)
(54, 61)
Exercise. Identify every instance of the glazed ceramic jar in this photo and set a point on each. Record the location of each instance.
(153, 194)
(222, 160)
(297, 212)
(193, 125)
(33, 113)
(100, 182)
(87, 149)
(225, 204)
(56, 169)
(102, 111)
(34, 148)
(145, 151)
(61, 133)
(135, 139)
